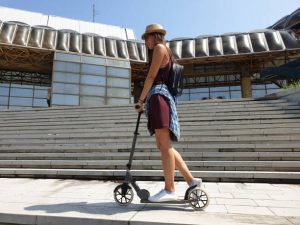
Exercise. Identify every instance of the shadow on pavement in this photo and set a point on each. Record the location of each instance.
(105, 208)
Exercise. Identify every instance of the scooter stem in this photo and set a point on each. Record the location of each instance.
(134, 140)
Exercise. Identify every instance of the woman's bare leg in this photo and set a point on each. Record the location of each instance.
(167, 155)
(182, 167)
(171, 159)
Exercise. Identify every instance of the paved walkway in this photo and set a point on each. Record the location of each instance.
(77, 202)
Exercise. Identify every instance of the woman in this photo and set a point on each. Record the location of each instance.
(161, 112)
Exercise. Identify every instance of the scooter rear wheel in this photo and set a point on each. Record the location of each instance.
(199, 197)
(123, 194)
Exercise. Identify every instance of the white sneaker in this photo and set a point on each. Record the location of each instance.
(196, 181)
(163, 196)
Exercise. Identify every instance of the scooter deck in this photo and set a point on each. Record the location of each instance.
(179, 201)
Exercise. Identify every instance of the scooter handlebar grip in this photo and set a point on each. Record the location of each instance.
(138, 107)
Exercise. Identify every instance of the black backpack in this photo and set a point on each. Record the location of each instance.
(175, 80)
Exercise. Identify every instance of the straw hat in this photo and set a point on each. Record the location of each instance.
(154, 28)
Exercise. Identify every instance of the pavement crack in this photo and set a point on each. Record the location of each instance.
(129, 221)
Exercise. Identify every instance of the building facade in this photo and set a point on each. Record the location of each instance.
(66, 62)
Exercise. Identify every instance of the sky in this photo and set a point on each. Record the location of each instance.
(181, 18)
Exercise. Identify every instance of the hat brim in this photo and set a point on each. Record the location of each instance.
(161, 31)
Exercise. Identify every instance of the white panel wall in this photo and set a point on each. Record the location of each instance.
(32, 18)
(62, 23)
(102, 29)
(130, 34)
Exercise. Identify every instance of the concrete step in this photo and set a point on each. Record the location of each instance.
(196, 105)
(264, 146)
(269, 119)
(261, 176)
(154, 164)
(131, 123)
(203, 129)
(151, 146)
(188, 137)
(131, 112)
(131, 115)
(204, 156)
(182, 103)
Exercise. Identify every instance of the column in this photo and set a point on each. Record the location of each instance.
(246, 86)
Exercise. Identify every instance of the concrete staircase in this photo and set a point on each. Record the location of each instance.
(222, 140)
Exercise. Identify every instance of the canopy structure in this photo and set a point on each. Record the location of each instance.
(291, 21)
(23, 40)
(290, 70)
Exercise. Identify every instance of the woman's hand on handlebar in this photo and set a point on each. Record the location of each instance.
(139, 107)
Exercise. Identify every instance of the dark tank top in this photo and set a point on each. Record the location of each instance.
(163, 74)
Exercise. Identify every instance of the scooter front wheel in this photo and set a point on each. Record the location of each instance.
(123, 194)
(199, 199)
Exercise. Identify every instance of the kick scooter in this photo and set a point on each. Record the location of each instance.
(123, 193)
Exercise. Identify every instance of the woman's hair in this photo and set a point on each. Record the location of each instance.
(159, 39)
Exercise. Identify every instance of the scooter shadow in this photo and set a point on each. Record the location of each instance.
(105, 208)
